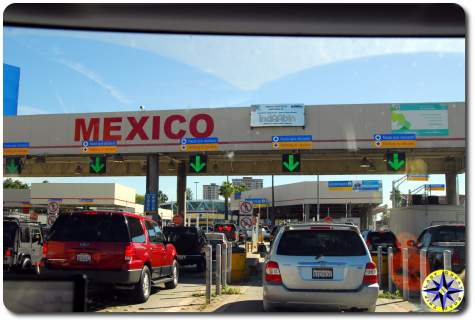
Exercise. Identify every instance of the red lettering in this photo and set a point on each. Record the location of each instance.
(209, 128)
(168, 126)
(92, 128)
(156, 128)
(137, 128)
(108, 128)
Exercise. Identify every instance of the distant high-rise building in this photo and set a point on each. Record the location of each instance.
(210, 191)
(249, 183)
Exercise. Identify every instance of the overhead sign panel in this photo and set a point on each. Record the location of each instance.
(101, 146)
(417, 177)
(97, 165)
(407, 140)
(16, 148)
(277, 115)
(199, 144)
(292, 142)
(258, 201)
(435, 187)
(424, 119)
(13, 165)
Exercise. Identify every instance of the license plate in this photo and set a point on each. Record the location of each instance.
(83, 258)
(322, 273)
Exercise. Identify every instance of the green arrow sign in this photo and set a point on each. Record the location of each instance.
(13, 165)
(198, 163)
(396, 161)
(291, 162)
(97, 165)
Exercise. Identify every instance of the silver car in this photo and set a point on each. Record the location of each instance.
(320, 267)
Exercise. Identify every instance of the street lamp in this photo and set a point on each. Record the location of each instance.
(196, 190)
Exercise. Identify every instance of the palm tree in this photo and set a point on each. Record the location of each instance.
(226, 190)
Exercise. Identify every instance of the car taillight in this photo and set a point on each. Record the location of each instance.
(370, 274)
(456, 260)
(45, 249)
(370, 246)
(129, 253)
(273, 273)
(8, 253)
(236, 235)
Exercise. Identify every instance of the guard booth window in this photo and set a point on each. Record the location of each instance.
(25, 235)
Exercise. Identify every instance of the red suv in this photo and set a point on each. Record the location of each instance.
(117, 248)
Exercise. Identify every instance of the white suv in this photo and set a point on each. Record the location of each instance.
(320, 267)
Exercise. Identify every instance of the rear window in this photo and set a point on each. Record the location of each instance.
(321, 243)
(382, 238)
(9, 231)
(450, 234)
(137, 234)
(183, 238)
(90, 228)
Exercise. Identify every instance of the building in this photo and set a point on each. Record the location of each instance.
(210, 191)
(249, 183)
(308, 201)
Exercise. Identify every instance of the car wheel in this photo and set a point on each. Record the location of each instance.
(174, 282)
(268, 307)
(144, 286)
(26, 265)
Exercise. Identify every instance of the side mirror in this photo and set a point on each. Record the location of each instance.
(411, 243)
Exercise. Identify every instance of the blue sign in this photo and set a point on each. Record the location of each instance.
(292, 138)
(150, 202)
(11, 84)
(7, 145)
(259, 201)
(337, 184)
(99, 143)
(367, 185)
(394, 137)
(237, 195)
(433, 185)
(199, 140)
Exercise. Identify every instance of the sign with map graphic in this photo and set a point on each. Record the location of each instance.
(425, 119)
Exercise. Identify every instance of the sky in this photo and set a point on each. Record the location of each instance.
(72, 71)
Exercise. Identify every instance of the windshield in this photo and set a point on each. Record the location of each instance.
(89, 228)
(450, 234)
(9, 231)
(381, 239)
(320, 243)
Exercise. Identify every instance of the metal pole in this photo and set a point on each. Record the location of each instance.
(346, 210)
(393, 199)
(448, 260)
(405, 274)
(380, 265)
(218, 269)
(273, 202)
(318, 197)
(390, 269)
(196, 190)
(422, 269)
(224, 264)
(209, 273)
(230, 263)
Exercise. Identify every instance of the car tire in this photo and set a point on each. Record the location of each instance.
(26, 265)
(174, 282)
(144, 286)
(268, 307)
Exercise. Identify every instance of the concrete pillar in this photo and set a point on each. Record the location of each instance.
(451, 188)
(181, 191)
(307, 212)
(152, 182)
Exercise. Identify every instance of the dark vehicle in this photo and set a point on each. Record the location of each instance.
(190, 244)
(22, 245)
(229, 230)
(124, 250)
(436, 239)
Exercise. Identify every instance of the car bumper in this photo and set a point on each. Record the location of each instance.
(97, 276)
(362, 298)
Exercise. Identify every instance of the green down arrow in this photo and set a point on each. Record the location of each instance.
(198, 165)
(291, 165)
(395, 163)
(97, 165)
(12, 167)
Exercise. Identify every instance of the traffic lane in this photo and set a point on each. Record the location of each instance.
(161, 300)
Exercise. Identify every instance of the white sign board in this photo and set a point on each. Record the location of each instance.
(246, 222)
(246, 207)
(278, 115)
